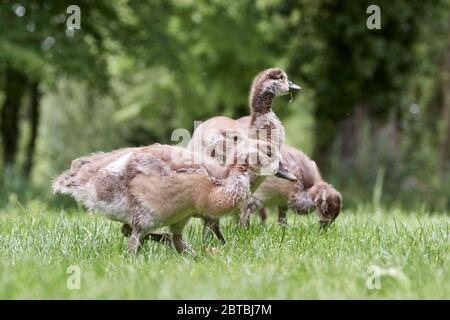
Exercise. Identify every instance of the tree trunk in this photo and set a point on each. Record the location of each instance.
(357, 140)
(345, 130)
(445, 141)
(324, 135)
(35, 100)
(15, 85)
(445, 144)
(350, 133)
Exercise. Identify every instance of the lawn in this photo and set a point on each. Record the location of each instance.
(42, 250)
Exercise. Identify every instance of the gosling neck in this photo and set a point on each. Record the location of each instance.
(261, 101)
(234, 190)
(238, 180)
(238, 169)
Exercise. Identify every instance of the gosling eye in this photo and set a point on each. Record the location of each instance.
(235, 138)
(269, 154)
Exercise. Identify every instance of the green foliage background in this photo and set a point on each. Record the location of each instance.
(374, 111)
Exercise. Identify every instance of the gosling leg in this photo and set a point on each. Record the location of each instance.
(177, 239)
(247, 210)
(160, 237)
(126, 230)
(282, 219)
(134, 240)
(263, 215)
(211, 224)
(163, 237)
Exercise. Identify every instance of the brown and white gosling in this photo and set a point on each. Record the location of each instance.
(262, 125)
(160, 185)
(303, 196)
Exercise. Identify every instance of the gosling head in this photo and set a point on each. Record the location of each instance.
(274, 81)
(260, 156)
(233, 146)
(223, 143)
(328, 202)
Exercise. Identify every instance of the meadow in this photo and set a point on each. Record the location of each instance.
(41, 247)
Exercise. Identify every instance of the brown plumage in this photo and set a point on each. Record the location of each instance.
(159, 185)
(308, 193)
(262, 125)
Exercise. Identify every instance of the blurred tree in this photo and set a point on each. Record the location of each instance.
(210, 50)
(362, 81)
(35, 101)
(358, 74)
(445, 89)
(361, 74)
(35, 48)
(15, 82)
(137, 70)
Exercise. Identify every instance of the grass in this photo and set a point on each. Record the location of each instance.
(38, 245)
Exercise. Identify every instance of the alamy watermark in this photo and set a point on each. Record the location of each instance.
(74, 20)
(376, 273)
(374, 20)
(228, 146)
(73, 281)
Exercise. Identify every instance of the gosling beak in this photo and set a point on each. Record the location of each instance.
(283, 173)
(293, 87)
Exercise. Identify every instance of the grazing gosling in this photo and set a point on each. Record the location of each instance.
(160, 185)
(308, 193)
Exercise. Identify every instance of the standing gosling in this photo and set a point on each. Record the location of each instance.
(263, 125)
(159, 185)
